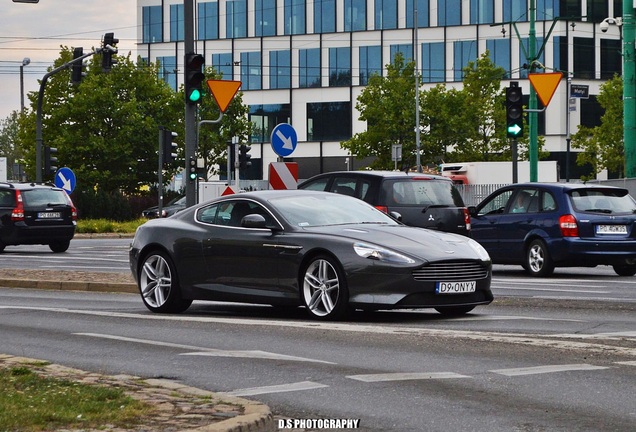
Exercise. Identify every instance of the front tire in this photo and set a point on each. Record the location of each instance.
(625, 270)
(159, 284)
(538, 261)
(324, 288)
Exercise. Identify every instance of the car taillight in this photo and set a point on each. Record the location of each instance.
(73, 209)
(383, 209)
(467, 218)
(17, 214)
(568, 225)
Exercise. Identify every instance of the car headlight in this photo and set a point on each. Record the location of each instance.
(381, 254)
(479, 249)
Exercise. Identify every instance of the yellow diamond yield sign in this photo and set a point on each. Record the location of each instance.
(545, 85)
(223, 92)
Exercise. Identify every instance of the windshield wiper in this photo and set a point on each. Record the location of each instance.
(599, 210)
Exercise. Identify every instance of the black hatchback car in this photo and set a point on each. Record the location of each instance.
(422, 200)
(36, 214)
(541, 226)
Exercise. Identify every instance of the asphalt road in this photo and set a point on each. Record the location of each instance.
(549, 354)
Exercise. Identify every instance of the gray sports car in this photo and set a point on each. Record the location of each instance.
(328, 252)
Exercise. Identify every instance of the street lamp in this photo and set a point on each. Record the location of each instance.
(25, 61)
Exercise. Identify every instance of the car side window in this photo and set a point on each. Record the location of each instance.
(319, 184)
(525, 201)
(344, 186)
(496, 204)
(7, 198)
(548, 203)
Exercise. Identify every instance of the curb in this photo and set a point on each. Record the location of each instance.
(71, 285)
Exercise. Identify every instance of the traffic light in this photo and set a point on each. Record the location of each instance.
(108, 49)
(50, 161)
(77, 69)
(244, 156)
(192, 168)
(194, 78)
(168, 146)
(514, 110)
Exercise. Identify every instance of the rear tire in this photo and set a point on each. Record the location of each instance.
(625, 270)
(159, 284)
(538, 261)
(2, 246)
(60, 246)
(454, 310)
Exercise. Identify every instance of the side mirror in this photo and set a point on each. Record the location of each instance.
(253, 221)
(395, 215)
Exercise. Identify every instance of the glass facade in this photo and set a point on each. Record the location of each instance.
(355, 15)
(152, 24)
(463, 52)
(236, 19)
(449, 12)
(264, 119)
(500, 53)
(295, 13)
(208, 20)
(584, 58)
(222, 63)
(405, 49)
(433, 62)
(423, 13)
(611, 60)
(370, 63)
(385, 14)
(328, 121)
(517, 10)
(168, 70)
(324, 16)
(339, 67)
(251, 70)
(279, 69)
(482, 11)
(265, 17)
(309, 67)
(176, 22)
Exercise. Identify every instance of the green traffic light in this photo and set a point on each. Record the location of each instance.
(193, 176)
(195, 95)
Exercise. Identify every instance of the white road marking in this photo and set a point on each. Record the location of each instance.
(546, 369)
(538, 340)
(628, 363)
(611, 335)
(527, 288)
(303, 385)
(207, 351)
(404, 376)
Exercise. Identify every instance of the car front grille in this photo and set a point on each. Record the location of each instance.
(452, 271)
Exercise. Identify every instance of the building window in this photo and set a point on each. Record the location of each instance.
(222, 63)
(547, 10)
(463, 52)
(584, 58)
(295, 17)
(176, 22)
(482, 12)
(251, 70)
(264, 119)
(370, 63)
(611, 60)
(168, 71)
(405, 49)
(500, 53)
(355, 15)
(236, 19)
(208, 20)
(591, 112)
(433, 62)
(385, 14)
(339, 67)
(265, 18)
(449, 13)
(328, 121)
(324, 16)
(517, 10)
(561, 50)
(524, 66)
(309, 67)
(422, 13)
(598, 10)
(279, 69)
(152, 24)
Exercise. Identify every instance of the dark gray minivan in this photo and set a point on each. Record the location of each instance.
(423, 200)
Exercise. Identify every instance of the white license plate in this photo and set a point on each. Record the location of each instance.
(455, 287)
(611, 229)
(49, 215)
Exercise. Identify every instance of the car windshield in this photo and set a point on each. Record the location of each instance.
(422, 192)
(328, 209)
(603, 201)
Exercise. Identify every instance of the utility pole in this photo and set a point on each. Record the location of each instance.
(190, 109)
(532, 104)
(629, 89)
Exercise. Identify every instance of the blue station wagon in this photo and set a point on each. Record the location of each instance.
(546, 225)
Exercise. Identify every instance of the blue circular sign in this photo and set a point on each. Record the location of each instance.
(65, 179)
(284, 139)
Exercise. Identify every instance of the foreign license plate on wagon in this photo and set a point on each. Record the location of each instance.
(455, 287)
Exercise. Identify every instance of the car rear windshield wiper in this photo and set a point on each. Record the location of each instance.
(598, 210)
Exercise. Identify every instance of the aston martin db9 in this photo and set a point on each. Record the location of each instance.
(327, 252)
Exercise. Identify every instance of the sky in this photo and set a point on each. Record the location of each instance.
(36, 31)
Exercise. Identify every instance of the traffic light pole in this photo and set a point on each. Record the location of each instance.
(190, 109)
(533, 116)
(629, 89)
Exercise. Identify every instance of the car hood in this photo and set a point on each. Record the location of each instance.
(423, 243)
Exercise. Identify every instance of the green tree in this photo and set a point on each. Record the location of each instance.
(603, 146)
(8, 138)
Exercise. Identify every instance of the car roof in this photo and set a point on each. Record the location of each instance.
(25, 185)
(565, 186)
(380, 173)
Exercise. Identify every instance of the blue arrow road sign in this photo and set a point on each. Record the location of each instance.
(65, 179)
(284, 139)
